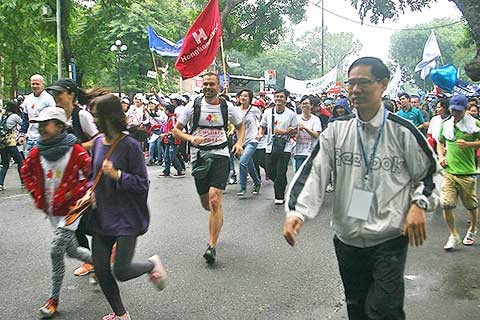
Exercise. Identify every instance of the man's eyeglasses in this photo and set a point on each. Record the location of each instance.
(360, 82)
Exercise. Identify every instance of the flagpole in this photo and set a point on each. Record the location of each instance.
(156, 69)
(224, 65)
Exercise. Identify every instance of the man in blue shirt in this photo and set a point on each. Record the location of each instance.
(411, 113)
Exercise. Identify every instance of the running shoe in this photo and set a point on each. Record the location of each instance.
(330, 188)
(48, 309)
(241, 192)
(452, 243)
(210, 255)
(256, 189)
(158, 275)
(150, 163)
(469, 238)
(179, 174)
(83, 270)
(279, 201)
(113, 316)
(2, 188)
(163, 174)
(93, 279)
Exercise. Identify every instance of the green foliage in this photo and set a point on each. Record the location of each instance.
(406, 48)
(299, 58)
(387, 9)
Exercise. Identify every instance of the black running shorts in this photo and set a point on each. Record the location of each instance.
(217, 176)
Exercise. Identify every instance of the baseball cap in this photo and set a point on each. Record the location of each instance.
(51, 113)
(458, 102)
(63, 85)
(175, 96)
(342, 103)
(125, 100)
(259, 103)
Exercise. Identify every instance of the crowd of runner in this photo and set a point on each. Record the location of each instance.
(60, 137)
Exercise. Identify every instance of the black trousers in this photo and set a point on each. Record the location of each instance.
(277, 166)
(373, 279)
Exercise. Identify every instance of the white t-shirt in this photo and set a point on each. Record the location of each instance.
(32, 106)
(135, 114)
(305, 142)
(52, 177)
(252, 122)
(86, 122)
(283, 121)
(179, 110)
(435, 127)
(211, 116)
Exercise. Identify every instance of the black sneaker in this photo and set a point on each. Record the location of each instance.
(150, 163)
(210, 255)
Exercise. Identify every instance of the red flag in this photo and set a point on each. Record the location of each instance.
(201, 42)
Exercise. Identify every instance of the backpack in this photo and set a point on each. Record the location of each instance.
(5, 133)
(197, 106)
(76, 127)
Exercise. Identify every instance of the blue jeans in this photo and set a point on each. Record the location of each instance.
(29, 144)
(171, 159)
(6, 154)
(298, 161)
(151, 150)
(246, 164)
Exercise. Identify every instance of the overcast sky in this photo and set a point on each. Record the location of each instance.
(376, 42)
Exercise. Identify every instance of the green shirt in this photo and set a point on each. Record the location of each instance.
(460, 161)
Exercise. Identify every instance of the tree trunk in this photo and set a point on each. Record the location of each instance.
(470, 10)
(66, 6)
(14, 79)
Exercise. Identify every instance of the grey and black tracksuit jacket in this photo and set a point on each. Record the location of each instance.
(402, 172)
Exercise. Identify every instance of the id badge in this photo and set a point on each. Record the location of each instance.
(360, 204)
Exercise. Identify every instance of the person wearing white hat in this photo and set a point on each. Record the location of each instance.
(54, 174)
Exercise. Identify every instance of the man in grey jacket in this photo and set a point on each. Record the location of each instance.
(383, 170)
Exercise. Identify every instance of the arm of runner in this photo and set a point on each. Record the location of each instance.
(291, 228)
(180, 134)
(237, 148)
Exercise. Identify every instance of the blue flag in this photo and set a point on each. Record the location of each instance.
(161, 46)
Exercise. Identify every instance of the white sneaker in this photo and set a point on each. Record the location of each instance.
(279, 201)
(452, 243)
(330, 188)
(469, 238)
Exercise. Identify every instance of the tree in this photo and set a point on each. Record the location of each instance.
(406, 47)
(298, 58)
(388, 9)
(252, 26)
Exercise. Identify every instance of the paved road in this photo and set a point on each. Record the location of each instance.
(257, 275)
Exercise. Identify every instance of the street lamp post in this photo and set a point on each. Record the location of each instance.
(120, 50)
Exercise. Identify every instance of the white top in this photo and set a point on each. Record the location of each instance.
(435, 127)
(252, 123)
(305, 142)
(179, 110)
(52, 177)
(86, 122)
(135, 114)
(211, 116)
(283, 121)
(32, 106)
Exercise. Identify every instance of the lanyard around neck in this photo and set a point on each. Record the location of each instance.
(369, 164)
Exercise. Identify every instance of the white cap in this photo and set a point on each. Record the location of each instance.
(175, 96)
(51, 113)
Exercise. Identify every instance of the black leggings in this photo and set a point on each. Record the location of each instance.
(123, 268)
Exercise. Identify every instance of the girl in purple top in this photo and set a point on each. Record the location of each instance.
(121, 198)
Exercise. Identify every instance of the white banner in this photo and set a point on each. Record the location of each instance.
(315, 86)
(394, 84)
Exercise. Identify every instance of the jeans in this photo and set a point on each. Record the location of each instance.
(155, 146)
(277, 166)
(29, 144)
(373, 279)
(171, 159)
(298, 161)
(246, 164)
(6, 153)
